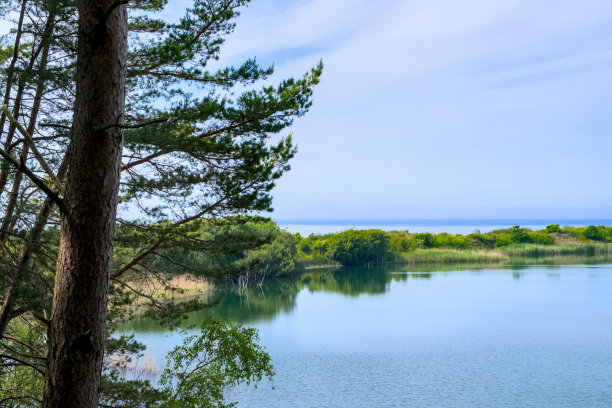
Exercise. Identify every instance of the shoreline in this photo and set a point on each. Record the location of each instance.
(371, 247)
(512, 256)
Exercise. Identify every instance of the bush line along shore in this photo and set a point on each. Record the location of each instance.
(358, 247)
(288, 254)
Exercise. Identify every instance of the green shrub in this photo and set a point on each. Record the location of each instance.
(502, 240)
(553, 228)
(199, 372)
(277, 258)
(445, 240)
(421, 240)
(606, 232)
(541, 238)
(520, 236)
(305, 247)
(320, 247)
(592, 232)
(478, 240)
(573, 232)
(399, 243)
(354, 247)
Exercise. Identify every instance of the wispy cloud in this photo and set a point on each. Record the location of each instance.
(442, 107)
(444, 103)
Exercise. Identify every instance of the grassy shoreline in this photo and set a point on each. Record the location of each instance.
(289, 254)
(372, 247)
(184, 288)
(510, 254)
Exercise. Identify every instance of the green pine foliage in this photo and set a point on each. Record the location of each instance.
(204, 145)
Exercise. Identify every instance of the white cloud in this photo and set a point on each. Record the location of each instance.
(268, 29)
(457, 101)
(428, 105)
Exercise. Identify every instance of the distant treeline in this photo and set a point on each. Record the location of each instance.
(258, 247)
(290, 253)
(354, 247)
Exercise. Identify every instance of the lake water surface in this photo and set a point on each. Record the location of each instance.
(536, 336)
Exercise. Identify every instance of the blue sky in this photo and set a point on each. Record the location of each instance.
(441, 108)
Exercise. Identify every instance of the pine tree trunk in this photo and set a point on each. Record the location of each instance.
(78, 321)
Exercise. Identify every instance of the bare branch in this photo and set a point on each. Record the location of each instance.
(23, 343)
(20, 362)
(57, 125)
(152, 299)
(41, 184)
(144, 159)
(135, 260)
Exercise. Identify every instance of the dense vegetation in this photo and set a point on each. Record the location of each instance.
(359, 247)
(229, 247)
(372, 246)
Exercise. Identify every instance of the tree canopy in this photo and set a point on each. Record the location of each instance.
(197, 144)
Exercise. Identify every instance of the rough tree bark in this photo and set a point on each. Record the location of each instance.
(78, 321)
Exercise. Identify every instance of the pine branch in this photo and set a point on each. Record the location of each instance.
(23, 343)
(151, 298)
(41, 184)
(19, 362)
(42, 319)
(26, 345)
(137, 126)
(39, 157)
(135, 260)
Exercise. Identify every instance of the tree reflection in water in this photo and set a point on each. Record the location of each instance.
(263, 300)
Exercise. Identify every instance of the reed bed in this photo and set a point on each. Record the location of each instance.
(176, 286)
(513, 254)
(311, 262)
(435, 255)
(140, 367)
(561, 260)
(538, 251)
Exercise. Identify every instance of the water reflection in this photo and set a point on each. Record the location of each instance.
(559, 260)
(256, 301)
(262, 301)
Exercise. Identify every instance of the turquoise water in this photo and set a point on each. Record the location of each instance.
(399, 337)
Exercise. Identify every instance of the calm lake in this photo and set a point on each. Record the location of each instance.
(428, 336)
